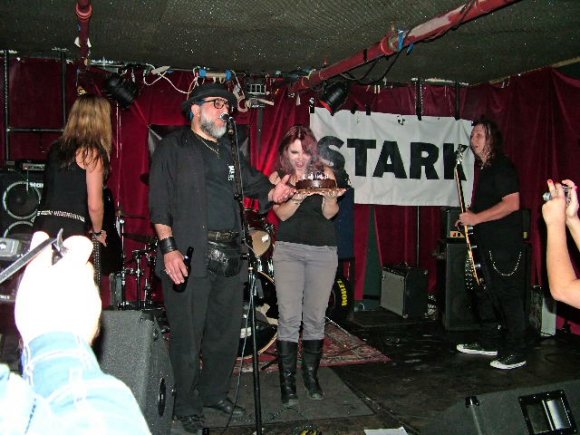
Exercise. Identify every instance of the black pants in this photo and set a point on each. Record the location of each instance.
(205, 323)
(503, 301)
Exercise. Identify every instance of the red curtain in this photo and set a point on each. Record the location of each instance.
(538, 113)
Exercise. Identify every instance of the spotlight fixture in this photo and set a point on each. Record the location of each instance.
(334, 96)
(121, 90)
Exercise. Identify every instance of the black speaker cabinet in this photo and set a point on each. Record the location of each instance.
(404, 291)
(131, 348)
(20, 192)
(457, 311)
(547, 409)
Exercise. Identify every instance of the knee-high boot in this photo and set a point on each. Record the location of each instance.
(287, 356)
(311, 356)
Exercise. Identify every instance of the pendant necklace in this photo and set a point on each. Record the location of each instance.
(209, 147)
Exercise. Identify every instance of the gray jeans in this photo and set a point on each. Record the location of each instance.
(304, 276)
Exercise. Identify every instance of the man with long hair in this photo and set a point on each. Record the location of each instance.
(497, 224)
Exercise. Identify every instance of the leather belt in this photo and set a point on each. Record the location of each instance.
(222, 236)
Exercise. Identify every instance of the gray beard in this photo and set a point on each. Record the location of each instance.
(208, 126)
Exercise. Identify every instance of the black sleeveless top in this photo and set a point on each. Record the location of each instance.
(64, 200)
(308, 226)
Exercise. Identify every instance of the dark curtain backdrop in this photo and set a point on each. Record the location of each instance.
(538, 113)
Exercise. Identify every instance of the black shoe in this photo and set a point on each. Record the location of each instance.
(508, 362)
(191, 423)
(475, 349)
(227, 407)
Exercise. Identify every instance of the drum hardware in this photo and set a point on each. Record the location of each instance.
(143, 275)
(141, 238)
(121, 214)
(148, 253)
(260, 232)
(266, 315)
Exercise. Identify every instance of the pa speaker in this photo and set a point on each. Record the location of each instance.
(21, 192)
(547, 409)
(131, 347)
(458, 313)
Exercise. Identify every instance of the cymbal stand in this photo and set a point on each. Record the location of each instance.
(123, 305)
(137, 255)
(150, 255)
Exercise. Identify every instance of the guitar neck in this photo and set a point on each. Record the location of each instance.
(459, 187)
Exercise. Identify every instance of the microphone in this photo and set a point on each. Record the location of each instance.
(229, 120)
(226, 117)
(461, 149)
(547, 196)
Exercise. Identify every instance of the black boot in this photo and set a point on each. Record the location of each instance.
(311, 356)
(287, 356)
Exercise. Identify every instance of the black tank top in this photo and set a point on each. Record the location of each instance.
(308, 226)
(64, 195)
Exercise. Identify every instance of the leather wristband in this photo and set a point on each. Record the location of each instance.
(167, 245)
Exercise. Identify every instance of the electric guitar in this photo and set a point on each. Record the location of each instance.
(475, 263)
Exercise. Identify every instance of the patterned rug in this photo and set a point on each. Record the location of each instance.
(340, 349)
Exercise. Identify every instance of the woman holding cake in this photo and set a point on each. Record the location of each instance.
(305, 259)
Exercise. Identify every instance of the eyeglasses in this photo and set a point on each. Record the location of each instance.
(218, 103)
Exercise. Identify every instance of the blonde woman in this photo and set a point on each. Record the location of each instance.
(77, 165)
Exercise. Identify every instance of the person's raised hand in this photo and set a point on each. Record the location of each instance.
(572, 200)
(60, 297)
(554, 210)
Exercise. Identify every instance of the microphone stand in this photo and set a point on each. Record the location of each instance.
(246, 239)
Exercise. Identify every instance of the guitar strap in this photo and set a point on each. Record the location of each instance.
(97, 261)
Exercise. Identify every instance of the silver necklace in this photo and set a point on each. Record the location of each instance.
(209, 147)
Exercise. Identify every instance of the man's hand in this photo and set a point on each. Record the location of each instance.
(468, 218)
(175, 267)
(282, 192)
(58, 298)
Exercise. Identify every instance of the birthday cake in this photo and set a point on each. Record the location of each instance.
(308, 184)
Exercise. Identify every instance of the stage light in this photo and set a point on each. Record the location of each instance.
(334, 96)
(121, 90)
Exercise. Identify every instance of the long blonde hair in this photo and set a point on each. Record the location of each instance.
(87, 130)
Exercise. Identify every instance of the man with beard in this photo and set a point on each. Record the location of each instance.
(193, 205)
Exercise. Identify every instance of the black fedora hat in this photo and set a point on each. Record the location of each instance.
(209, 90)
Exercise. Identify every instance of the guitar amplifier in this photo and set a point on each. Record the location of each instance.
(404, 291)
(449, 216)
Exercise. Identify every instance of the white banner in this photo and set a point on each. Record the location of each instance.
(397, 159)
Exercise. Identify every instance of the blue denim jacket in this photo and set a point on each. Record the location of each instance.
(64, 391)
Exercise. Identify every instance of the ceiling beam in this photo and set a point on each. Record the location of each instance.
(393, 42)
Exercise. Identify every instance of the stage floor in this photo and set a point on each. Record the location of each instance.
(424, 376)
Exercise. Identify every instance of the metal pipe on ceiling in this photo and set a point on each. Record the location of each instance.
(393, 42)
(84, 11)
